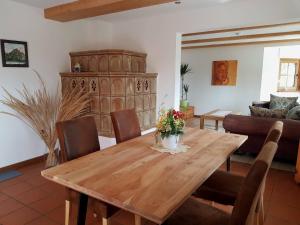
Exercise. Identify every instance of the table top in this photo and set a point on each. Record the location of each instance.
(143, 181)
(218, 114)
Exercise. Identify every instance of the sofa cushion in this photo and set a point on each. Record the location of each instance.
(294, 113)
(277, 102)
(269, 113)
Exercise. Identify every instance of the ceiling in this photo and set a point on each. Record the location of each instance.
(48, 3)
(149, 11)
(43, 3)
(283, 32)
(164, 8)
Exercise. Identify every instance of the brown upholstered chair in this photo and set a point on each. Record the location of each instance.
(193, 212)
(78, 138)
(223, 187)
(126, 125)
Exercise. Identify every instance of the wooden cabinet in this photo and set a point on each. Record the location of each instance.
(116, 80)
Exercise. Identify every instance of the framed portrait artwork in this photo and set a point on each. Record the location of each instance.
(224, 73)
(14, 53)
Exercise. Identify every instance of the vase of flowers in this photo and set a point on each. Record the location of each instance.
(170, 126)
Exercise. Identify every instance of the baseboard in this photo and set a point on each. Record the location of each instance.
(24, 163)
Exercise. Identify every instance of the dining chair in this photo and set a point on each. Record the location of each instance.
(195, 212)
(77, 138)
(223, 187)
(126, 125)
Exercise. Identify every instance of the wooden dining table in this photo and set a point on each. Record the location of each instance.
(145, 182)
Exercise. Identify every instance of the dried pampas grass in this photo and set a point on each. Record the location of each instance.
(41, 110)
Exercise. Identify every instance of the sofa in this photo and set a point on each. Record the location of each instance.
(257, 129)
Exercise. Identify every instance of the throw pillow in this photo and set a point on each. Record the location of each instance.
(294, 113)
(270, 113)
(287, 103)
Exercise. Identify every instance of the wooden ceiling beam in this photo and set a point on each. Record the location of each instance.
(242, 28)
(90, 8)
(241, 44)
(242, 37)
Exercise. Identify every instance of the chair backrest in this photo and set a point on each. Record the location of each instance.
(126, 125)
(77, 137)
(275, 132)
(250, 192)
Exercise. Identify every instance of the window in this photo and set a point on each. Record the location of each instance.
(288, 75)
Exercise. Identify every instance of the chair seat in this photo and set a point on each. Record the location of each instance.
(194, 212)
(221, 187)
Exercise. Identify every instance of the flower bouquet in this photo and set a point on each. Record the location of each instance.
(170, 126)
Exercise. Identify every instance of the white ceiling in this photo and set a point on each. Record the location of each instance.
(148, 11)
(49, 3)
(164, 8)
(43, 3)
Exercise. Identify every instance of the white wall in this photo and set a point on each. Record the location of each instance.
(49, 44)
(257, 75)
(270, 73)
(206, 97)
(156, 35)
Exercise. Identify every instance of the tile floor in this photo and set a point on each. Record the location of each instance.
(30, 199)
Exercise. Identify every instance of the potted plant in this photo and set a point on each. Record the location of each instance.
(170, 126)
(184, 69)
(186, 90)
(40, 110)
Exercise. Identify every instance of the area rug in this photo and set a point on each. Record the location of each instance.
(9, 175)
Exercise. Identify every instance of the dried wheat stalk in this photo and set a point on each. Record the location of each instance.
(40, 110)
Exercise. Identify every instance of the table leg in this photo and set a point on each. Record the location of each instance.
(104, 210)
(82, 208)
(297, 175)
(217, 124)
(138, 220)
(228, 164)
(202, 122)
(67, 212)
(106, 221)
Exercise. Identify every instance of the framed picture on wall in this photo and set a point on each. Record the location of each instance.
(224, 72)
(14, 53)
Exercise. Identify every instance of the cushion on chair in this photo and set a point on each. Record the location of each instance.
(194, 212)
(221, 187)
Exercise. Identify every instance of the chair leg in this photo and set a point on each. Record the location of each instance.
(261, 213)
(228, 164)
(67, 212)
(82, 209)
(105, 221)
